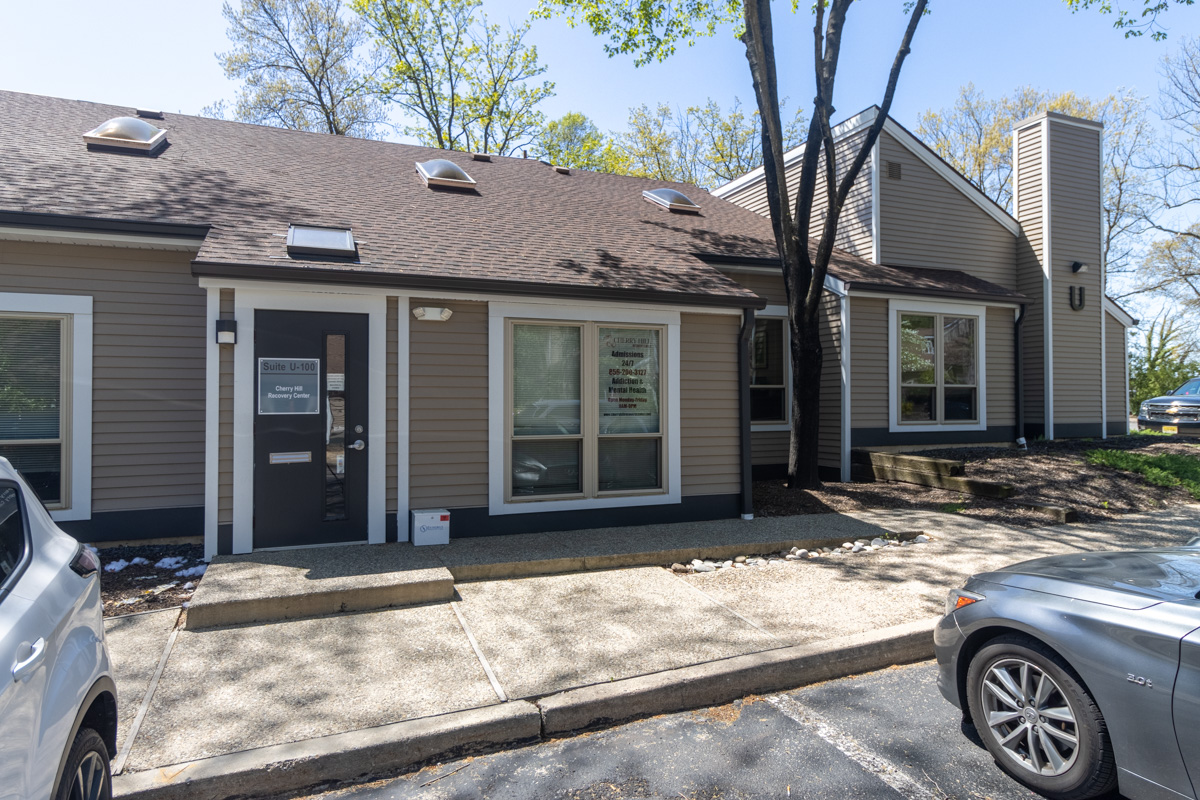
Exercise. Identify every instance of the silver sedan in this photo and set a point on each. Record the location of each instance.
(1081, 673)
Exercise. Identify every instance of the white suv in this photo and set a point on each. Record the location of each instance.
(58, 703)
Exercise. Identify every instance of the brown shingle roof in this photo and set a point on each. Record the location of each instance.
(525, 227)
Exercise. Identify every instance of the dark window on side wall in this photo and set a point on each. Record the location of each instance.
(768, 372)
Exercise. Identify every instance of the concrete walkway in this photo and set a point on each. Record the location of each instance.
(230, 689)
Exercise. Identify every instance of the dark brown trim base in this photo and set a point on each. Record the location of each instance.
(775, 472)
(882, 437)
(1077, 430)
(155, 523)
(470, 522)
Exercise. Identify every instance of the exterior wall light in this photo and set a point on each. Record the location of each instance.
(432, 314)
(1078, 266)
(227, 331)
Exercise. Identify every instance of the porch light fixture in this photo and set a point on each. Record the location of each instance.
(671, 200)
(432, 314)
(1078, 266)
(227, 331)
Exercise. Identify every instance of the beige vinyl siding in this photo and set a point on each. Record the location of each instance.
(771, 447)
(225, 420)
(448, 409)
(1001, 362)
(869, 362)
(148, 362)
(1114, 360)
(709, 421)
(393, 400)
(1030, 281)
(925, 221)
(1075, 204)
(854, 226)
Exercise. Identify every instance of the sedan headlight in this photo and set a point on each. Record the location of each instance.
(959, 598)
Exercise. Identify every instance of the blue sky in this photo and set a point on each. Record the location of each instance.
(163, 58)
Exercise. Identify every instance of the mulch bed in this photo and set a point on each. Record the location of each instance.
(1055, 473)
(147, 587)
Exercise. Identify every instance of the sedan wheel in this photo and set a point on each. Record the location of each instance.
(86, 775)
(91, 779)
(1038, 721)
(1028, 715)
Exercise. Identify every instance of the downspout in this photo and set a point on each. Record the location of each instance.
(744, 410)
(1019, 359)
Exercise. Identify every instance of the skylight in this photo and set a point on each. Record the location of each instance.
(310, 240)
(440, 172)
(672, 200)
(127, 133)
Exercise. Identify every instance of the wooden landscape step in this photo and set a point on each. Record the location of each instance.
(939, 473)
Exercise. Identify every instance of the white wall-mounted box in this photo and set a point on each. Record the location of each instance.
(430, 526)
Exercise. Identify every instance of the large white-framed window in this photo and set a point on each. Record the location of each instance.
(584, 407)
(770, 371)
(46, 397)
(936, 366)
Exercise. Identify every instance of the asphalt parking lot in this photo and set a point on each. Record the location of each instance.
(887, 735)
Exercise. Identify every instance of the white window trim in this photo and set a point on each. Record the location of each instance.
(498, 314)
(79, 471)
(779, 312)
(897, 307)
(326, 298)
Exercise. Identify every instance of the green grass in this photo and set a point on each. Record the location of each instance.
(1140, 432)
(1166, 469)
(953, 508)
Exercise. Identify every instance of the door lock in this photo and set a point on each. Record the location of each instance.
(359, 444)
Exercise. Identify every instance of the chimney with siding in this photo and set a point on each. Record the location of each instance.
(1057, 198)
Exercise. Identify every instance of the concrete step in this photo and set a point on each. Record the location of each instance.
(314, 582)
(941, 466)
(952, 482)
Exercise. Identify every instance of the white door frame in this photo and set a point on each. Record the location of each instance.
(327, 299)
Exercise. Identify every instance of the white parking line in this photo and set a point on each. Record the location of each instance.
(877, 765)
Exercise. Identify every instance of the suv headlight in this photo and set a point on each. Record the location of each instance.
(1142, 409)
(957, 598)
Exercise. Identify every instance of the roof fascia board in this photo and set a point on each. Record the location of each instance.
(793, 157)
(425, 284)
(1118, 313)
(71, 222)
(835, 285)
(948, 174)
(12, 233)
(1055, 116)
(892, 293)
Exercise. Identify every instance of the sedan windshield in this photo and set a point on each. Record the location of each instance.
(1189, 389)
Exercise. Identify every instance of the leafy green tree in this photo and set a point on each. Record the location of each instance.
(1172, 269)
(1161, 362)
(1134, 23)
(465, 83)
(975, 137)
(651, 31)
(574, 141)
(300, 69)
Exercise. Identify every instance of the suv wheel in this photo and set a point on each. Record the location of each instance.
(1038, 722)
(87, 774)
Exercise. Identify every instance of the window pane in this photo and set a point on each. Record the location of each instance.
(545, 467)
(960, 404)
(918, 349)
(916, 404)
(629, 380)
(546, 377)
(766, 365)
(41, 467)
(335, 426)
(958, 337)
(766, 405)
(30, 374)
(12, 533)
(627, 464)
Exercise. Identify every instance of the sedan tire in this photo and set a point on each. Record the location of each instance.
(87, 774)
(1038, 721)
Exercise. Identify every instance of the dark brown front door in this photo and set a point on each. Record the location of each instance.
(310, 428)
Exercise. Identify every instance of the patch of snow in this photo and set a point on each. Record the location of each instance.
(171, 562)
(191, 572)
(116, 566)
(139, 561)
(185, 604)
(189, 585)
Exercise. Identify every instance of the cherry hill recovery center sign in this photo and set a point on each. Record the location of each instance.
(289, 386)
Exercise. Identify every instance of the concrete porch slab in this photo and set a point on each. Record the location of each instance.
(312, 582)
(135, 646)
(253, 686)
(556, 632)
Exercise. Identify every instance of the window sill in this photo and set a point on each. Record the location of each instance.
(934, 427)
(770, 426)
(583, 504)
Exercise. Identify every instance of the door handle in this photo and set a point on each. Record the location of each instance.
(23, 670)
(359, 444)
